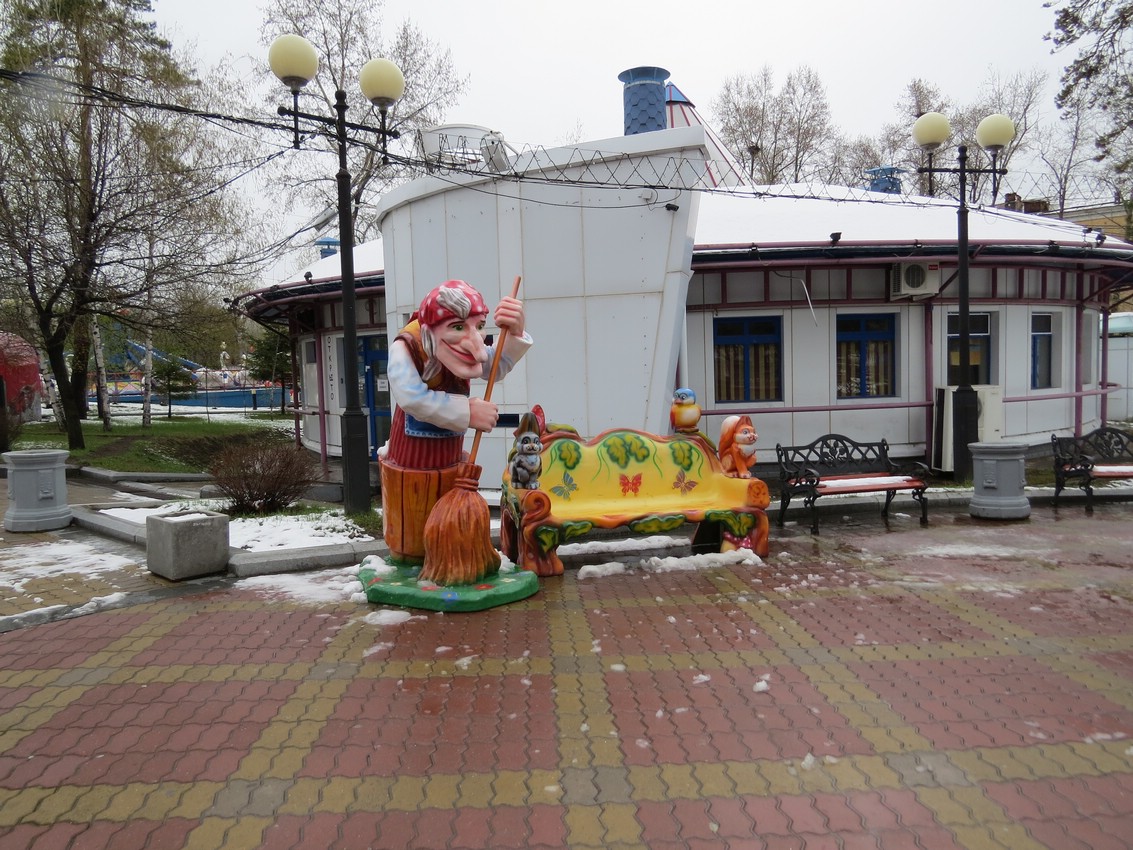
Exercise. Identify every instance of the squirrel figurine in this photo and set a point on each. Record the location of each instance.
(526, 462)
(737, 446)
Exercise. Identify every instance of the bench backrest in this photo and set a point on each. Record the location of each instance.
(833, 454)
(1102, 444)
(624, 463)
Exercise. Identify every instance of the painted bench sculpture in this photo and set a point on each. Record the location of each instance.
(626, 478)
(1106, 453)
(835, 464)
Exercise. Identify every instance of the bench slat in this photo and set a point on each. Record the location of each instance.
(1112, 471)
(866, 483)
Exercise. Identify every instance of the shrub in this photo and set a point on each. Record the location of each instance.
(264, 478)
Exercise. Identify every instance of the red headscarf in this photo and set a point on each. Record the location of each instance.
(453, 299)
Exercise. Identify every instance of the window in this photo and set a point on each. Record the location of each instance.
(1042, 351)
(748, 357)
(866, 356)
(979, 346)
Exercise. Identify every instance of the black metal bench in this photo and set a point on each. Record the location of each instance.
(1105, 453)
(836, 464)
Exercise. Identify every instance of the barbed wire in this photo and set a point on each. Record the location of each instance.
(460, 157)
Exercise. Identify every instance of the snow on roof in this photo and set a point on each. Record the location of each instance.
(368, 260)
(802, 214)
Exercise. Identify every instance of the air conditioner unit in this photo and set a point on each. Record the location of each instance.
(914, 280)
(990, 422)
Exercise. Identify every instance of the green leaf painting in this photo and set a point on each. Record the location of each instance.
(624, 448)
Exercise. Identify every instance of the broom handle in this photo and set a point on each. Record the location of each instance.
(492, 373)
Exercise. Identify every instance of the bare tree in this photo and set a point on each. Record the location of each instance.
(844, 162)
(346, 34)
(1066, 150)
(1019, 97)
(779, 135)
(807, 118)
(751, 124)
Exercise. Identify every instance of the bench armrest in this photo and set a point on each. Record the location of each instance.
(798, 475)
(913, 469)
(1075, 461)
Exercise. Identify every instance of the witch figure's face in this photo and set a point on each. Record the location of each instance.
(460, 345)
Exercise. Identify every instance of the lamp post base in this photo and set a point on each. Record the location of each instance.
(965, 430)
(355, 463)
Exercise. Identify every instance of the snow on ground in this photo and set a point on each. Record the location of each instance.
(337, 585)
(973, 550)
(21, 564)
(260, 534)
(597, 550)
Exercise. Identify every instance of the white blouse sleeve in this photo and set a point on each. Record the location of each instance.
(411, 394)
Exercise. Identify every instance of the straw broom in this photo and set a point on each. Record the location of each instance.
(458, 535)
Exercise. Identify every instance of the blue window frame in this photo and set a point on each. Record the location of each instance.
(867, 346)
(748, 358)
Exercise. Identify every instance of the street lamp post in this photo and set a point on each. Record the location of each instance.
(294, 61)
(993, 134)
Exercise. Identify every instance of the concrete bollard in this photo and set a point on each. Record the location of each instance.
(37, 490)
(999, 474)
(186, 545)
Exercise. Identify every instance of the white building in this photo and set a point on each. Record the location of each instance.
(647, 265)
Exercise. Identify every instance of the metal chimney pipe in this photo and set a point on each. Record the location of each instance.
(643, 97)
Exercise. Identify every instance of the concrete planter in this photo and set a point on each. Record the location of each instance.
(999, 475)
(37, 490)
(188, 545)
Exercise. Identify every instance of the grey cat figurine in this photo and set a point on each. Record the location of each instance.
(526, 462)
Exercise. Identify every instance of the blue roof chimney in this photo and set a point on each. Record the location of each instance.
(644, 99)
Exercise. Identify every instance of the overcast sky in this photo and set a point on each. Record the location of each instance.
(540, 70)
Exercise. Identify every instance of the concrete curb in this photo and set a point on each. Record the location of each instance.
(110, 476)
(244, 564)
(93, 519)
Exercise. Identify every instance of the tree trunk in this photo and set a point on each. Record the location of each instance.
(147, 366)
(51, 389)
(72, 422)
(76, 387)
(100, 377)
(147, 381)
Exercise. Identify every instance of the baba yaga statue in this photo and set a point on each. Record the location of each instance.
(431, 363)
(737, 446)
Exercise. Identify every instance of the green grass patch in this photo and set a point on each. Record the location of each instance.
(182, 444)
(370, 522)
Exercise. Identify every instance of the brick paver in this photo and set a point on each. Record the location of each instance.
(960, 687)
